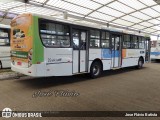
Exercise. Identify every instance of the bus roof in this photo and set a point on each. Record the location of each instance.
(88, 25)
(4, 26)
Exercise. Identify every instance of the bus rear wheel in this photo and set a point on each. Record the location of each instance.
(140, 63)
(96, 69)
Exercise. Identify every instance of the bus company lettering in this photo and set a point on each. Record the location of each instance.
(51, 60)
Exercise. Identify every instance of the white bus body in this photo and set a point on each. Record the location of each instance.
(54, 48)
(155, 50)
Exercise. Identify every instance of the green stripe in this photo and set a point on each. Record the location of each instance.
(38, 49)
(19, 54)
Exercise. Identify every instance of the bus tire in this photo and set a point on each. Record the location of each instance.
(140, 63)
(96, 69)
(0, 65)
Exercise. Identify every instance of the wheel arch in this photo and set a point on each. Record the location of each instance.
(96, 60)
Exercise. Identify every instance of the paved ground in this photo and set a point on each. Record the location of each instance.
(119, 90)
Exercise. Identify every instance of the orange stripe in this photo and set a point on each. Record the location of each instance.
(123, 53)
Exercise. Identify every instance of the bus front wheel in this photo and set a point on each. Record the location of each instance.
(140, 63)
(96, 69)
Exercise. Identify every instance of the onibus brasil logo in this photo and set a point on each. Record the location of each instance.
(7, 113)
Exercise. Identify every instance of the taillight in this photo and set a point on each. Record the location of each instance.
(30, 58)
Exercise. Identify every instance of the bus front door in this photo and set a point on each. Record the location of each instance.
(79, 51)
(116, 51)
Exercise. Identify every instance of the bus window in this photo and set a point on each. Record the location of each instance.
(95, 39)
(75, 40)
(105, 40)
(127, 41)
(83, 41)
(54, 35)
(59, 29)
(4, 38)
(135, 42)
(141, 42)
(63, 41)
(117, 43)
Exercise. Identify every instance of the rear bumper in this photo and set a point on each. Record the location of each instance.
(31, 71)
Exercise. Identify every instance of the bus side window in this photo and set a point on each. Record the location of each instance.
(141, 42)
(75, 40)
(83, 41)
(135, 43)
(94, 38)
(126, 41)
(105, 39)
(54, 35)
(4, 38)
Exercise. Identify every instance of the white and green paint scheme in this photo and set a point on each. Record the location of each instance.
(43, 46)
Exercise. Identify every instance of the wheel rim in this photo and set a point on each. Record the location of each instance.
(96, 70)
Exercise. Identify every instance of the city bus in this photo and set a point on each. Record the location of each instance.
(5, 56)
(43, 46)
(155, 50)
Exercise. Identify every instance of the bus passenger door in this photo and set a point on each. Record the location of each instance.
(148, 49)
(79, 51)
(116, 51)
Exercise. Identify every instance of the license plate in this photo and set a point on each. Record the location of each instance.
(19, 63)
